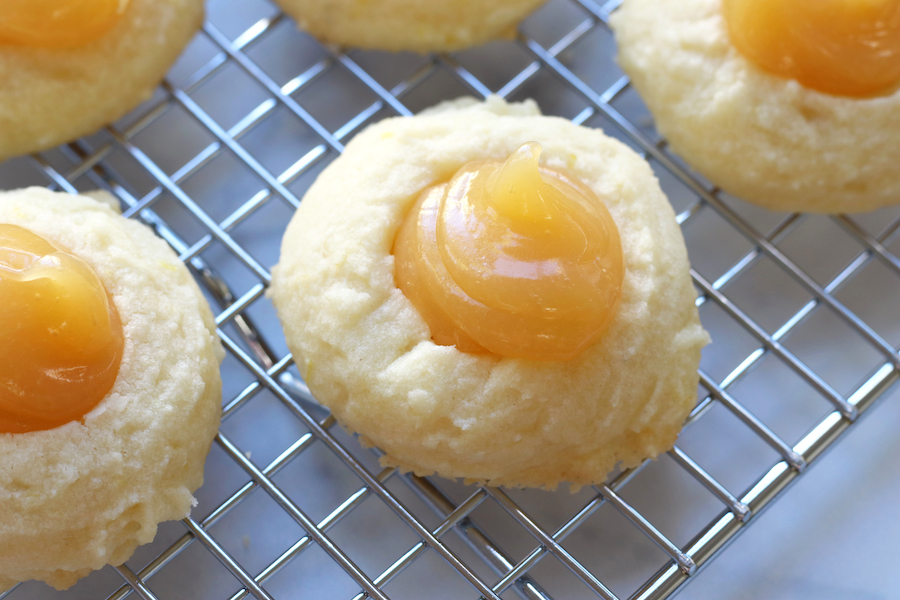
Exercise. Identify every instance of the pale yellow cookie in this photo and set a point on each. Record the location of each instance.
(367, 354)
(417, 25)
(84, 495)
(52, 96)
(763, 138)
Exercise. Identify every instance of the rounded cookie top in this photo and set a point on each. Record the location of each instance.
(103, 485)
(418, 25)
(766, 139)
(52, 96)
(367, 354)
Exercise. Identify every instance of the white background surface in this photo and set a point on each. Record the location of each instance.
(832, 536)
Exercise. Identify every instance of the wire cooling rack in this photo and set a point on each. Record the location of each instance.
(801, 310)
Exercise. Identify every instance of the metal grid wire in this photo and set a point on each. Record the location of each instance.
(293, 507)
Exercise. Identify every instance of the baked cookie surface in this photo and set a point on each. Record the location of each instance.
(367, 354)
(763, 138)
(52, 96)
(84, 495)
(418, 25)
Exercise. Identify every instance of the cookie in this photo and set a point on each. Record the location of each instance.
(368, 355)
(758, 136)
(417, 25)
(54, 95)
(87, 493)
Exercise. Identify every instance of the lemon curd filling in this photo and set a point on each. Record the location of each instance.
(57, 23)
(511, 258)
(839, 47)
(61, 339)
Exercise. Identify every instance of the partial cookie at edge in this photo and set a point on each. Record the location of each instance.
(49, 96)
(103, 486)
(760, 137)
(417, 25)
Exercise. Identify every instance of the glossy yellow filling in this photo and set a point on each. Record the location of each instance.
(511, 258)
(839, 47)
(57, 23)
(61, 338)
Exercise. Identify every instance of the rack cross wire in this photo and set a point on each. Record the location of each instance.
(798, 307)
